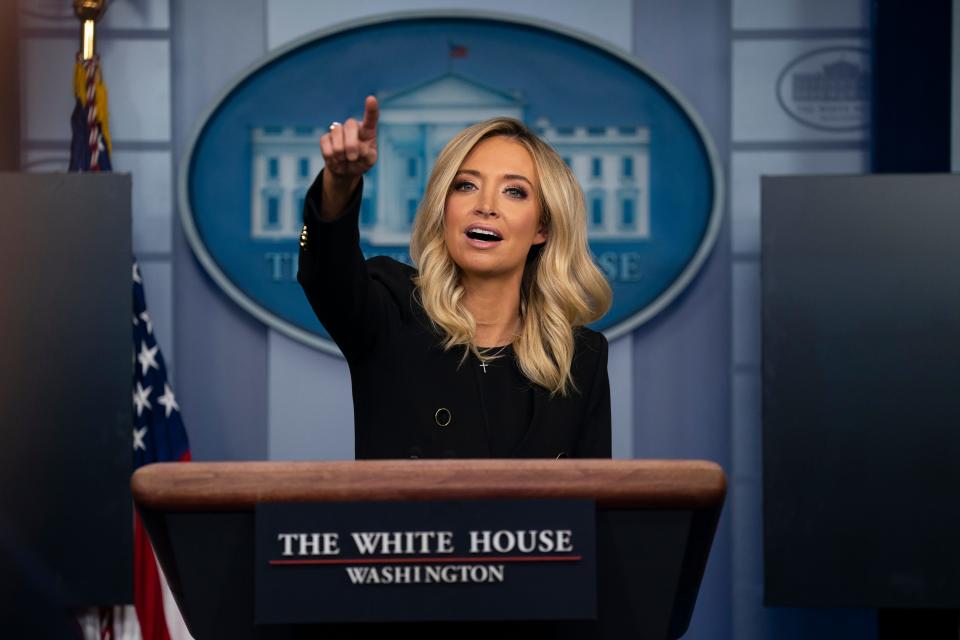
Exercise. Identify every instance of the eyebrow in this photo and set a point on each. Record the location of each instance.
(508, 176)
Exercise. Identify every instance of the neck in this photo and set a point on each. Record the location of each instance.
(495, 305)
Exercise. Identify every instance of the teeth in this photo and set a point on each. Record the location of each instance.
(484, 232)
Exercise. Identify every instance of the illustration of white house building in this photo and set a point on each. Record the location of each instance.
(611, 163)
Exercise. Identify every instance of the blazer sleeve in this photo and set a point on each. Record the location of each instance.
(335, 276)
(595, 432)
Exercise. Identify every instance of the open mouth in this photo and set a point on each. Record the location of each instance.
(483, 234)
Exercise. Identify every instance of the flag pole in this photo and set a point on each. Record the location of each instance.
(88, 12)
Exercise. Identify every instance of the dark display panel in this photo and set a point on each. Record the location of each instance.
(66, 521)
(861, 390)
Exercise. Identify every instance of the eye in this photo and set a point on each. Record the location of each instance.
(517, 192)
(462, 185)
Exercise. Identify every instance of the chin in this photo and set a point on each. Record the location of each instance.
(485, 268)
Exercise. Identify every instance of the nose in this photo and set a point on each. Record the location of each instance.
(486, 206)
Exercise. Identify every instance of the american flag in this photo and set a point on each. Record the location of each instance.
(158, 436)
(456, 50)
(158, 431)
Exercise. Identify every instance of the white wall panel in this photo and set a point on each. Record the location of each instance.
(121, 14)
(311, 403)
(746, 313)
(152, 197)
(137, 14)
(760, 82)
(46, 13)
(800, 14)
(746, 505)
(620, 370)
(747, 420)
(609, 20)
(46, 70)
(137, 75)
(748, 166)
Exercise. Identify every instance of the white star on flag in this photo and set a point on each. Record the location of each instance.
(141, 398)
(148, 358)
(136, 273)
(146, 319)
(138, 435)
(167, 400)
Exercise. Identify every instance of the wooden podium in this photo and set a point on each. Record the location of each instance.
(655, 522)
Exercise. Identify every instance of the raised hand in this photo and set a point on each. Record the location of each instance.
(350, 149)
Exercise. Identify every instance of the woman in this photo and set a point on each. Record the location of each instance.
(481, 351)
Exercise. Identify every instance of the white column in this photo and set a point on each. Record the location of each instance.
(620, 369)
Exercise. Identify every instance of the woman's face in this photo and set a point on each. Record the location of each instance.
(492, 211)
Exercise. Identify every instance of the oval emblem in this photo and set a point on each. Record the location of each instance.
(827, 89)
(647, 167)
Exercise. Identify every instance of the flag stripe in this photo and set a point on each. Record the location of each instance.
(148, 598)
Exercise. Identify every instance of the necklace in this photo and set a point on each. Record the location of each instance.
(483, 363)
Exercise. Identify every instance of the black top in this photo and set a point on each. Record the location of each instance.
(506, 396)
(413, 399)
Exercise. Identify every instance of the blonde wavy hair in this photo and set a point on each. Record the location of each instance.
(561, 288)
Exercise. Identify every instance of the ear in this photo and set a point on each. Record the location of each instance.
(541, 236)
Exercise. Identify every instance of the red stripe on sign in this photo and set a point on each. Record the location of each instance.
(431, 559)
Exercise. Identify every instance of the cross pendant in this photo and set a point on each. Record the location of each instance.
(483, 365)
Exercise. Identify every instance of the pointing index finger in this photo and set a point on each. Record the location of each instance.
(371, 112)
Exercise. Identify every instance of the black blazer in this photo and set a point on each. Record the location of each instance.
(402, 377)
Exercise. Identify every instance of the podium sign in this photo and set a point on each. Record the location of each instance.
(425, 561)
(648, 526)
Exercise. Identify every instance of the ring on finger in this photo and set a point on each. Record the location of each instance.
(335, 124)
